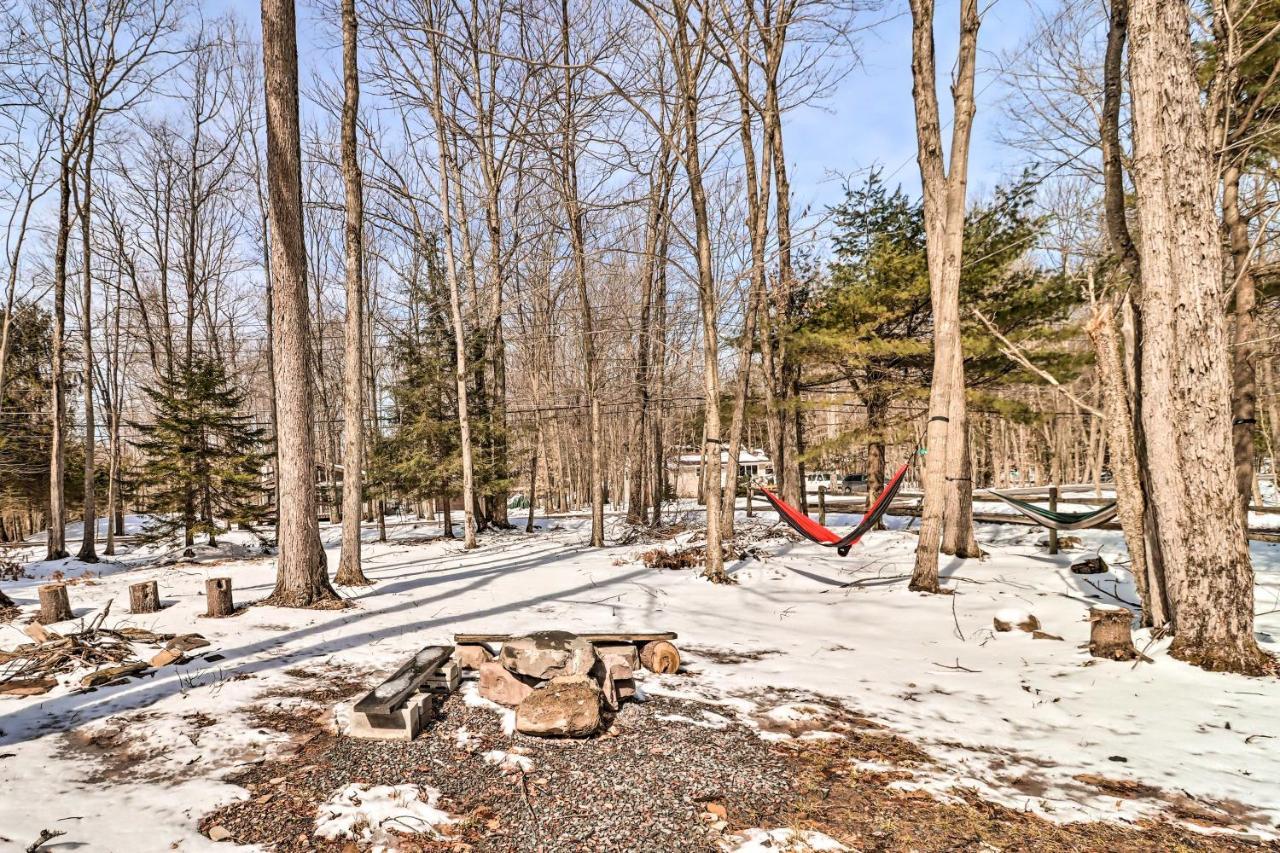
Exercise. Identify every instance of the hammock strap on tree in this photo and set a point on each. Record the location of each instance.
(1059, 520)
(815, 532)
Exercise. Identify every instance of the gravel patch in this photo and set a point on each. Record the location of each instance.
(645, 786)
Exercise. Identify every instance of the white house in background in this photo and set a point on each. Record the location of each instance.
(685, 467)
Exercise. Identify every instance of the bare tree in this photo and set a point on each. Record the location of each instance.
(350, 572)
(302, 579)
(1185, 370)
(944, 207)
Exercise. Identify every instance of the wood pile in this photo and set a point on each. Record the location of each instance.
(30, 669)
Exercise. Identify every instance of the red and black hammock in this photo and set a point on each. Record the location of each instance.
(815, 532)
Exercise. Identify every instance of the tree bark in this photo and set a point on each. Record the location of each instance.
(577, 239)
(1244, 380)
(57, 523)
(302, 569)
(686, 66)
(944, 209)
(1185, 371)
(88, 550)
(1124, 464)
(446, 168)
(350, 572)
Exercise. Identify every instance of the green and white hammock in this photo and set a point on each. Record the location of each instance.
(1060, 520)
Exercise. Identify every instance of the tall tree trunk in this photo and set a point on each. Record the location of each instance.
(658, 362)
(688, 79)
(1244, 384)
(350, 572)
(944, 209)
(757, 196)
(302, 569)
(660, 193)
(447, 167)
(1140, 534)
(1124, 463)
(877, 416)
(577, 239)
(1185, 371)
(57, 522)
(88, 541)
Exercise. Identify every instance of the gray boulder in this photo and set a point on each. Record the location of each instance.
(548, 654)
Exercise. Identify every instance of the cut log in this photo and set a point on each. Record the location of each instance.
(1111, 633)
(660, 656)
(144, 597)
(55, 606)
(40, 634)
(111, 673)
(27, 686)
(218, 592)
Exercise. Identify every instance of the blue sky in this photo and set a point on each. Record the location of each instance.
(868, 120)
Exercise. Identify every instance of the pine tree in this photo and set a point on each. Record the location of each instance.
(203, 456)
(25, 433)
(422, 456)
(872, 321)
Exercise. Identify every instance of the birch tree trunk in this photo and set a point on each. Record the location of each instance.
(302, 574)
(350, 572)
(1186, 378)
(944, 210)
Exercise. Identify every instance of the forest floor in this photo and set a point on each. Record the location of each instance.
(821, 704)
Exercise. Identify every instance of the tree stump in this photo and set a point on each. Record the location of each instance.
(55, 606)
(660, 656)
(218, 591)
(144, 597)
(1111, 633)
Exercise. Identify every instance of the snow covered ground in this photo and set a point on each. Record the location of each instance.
(133, 767)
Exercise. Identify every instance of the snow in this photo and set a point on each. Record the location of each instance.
(509, 761)
(1012, 717)
(360, 811)
(786, 841)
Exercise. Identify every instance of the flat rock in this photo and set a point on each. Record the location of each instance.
(548, 654)
(499, 685)
(471, 656)
(613, 654)
(567, 707)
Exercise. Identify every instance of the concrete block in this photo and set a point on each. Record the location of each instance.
(403, 723)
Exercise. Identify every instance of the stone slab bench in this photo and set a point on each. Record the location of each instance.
(392, 711)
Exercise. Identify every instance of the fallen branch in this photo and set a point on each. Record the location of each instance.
(46, 835)
(954, 617)
(1125, 602)
(957, 667)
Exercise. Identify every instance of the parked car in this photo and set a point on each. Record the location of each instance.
(853, 483)
(819, 479)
